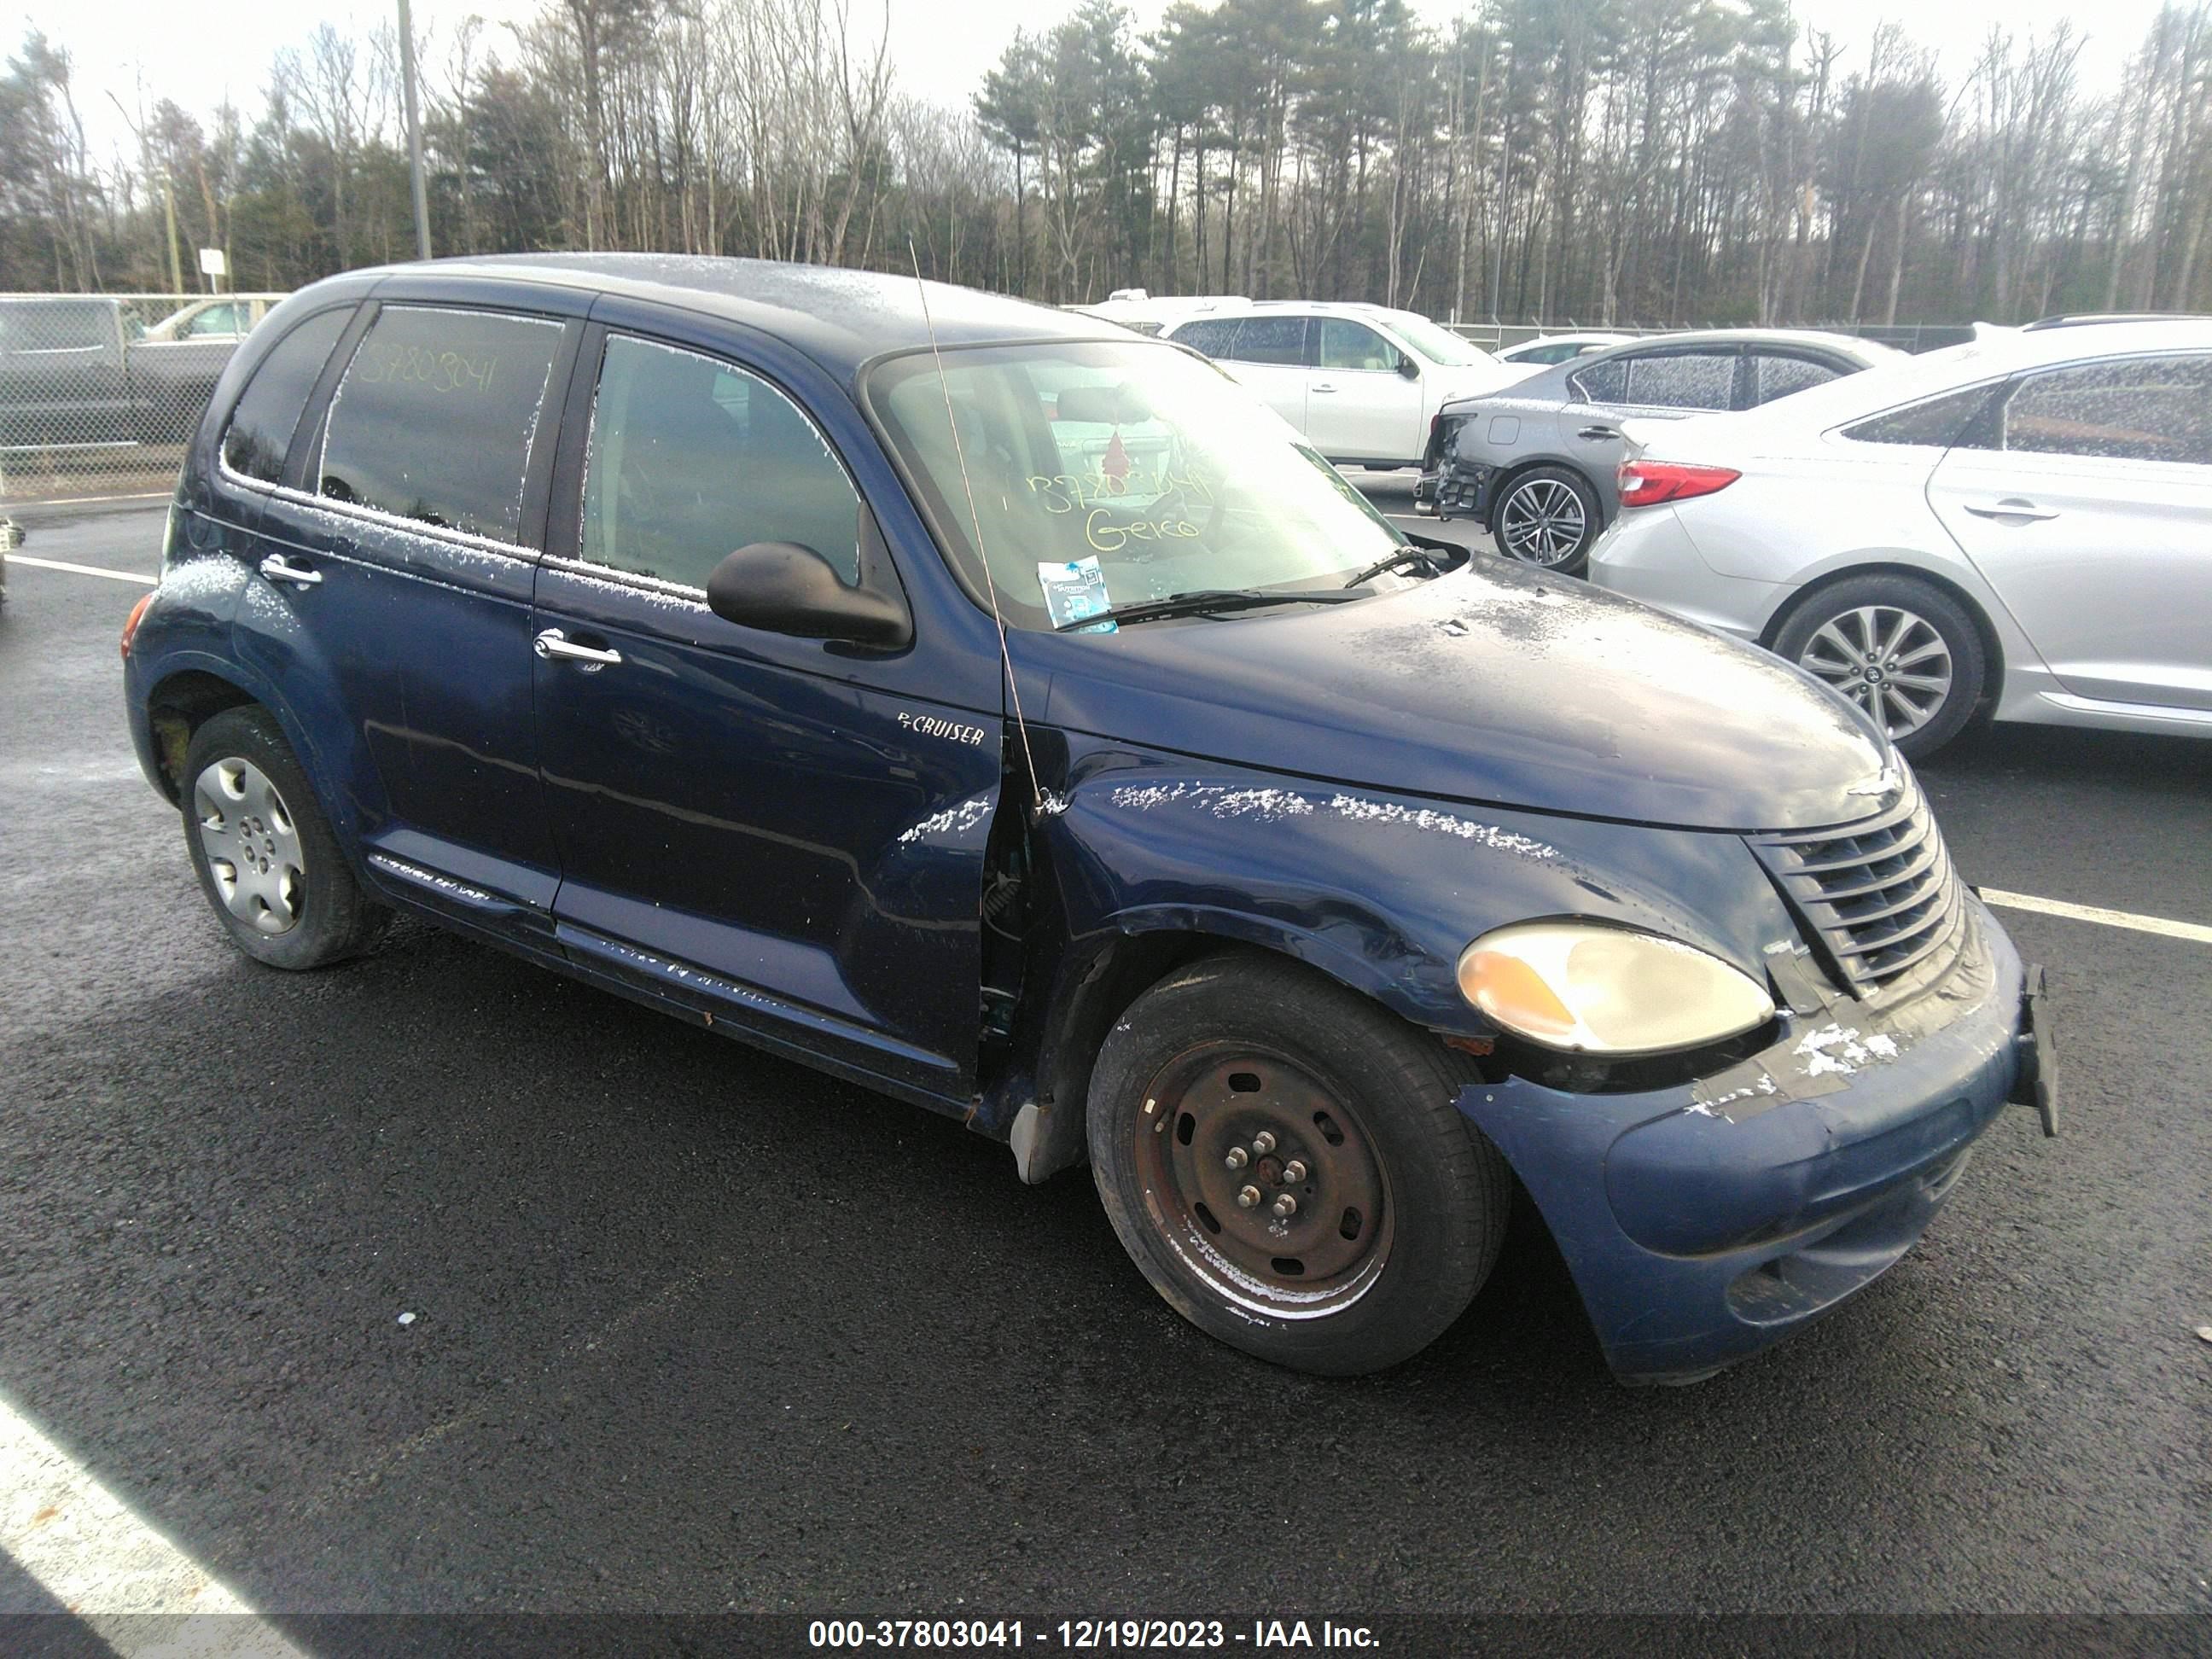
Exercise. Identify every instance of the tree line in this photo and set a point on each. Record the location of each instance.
(1600, 161)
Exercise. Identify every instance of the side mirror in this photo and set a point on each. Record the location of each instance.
(782, 587)
(1408, 368)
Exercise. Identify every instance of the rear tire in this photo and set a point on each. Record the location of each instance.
(1547, 516)
(1925, 653)
(1241, 1082)
(268, 864)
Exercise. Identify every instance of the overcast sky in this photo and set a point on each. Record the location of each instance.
(224, 50)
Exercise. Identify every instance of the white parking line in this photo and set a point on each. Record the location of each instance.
(94, 500)
(83, 569)
(108, 1567)
(2195, 932)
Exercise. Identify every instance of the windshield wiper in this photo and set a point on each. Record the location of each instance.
(1411, 553)
(1200, 600)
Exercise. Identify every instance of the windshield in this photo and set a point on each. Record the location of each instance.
(1105, 474)
(1438, 344)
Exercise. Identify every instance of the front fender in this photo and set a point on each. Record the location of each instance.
(1381, 892)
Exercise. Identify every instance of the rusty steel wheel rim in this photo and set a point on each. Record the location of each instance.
(1262, 1181)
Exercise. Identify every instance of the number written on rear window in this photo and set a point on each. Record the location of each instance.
(435, 416)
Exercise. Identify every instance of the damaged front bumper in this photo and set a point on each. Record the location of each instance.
(1702, 1222)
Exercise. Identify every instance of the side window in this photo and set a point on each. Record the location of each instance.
(261, 425)
(217, 319)
(1779, 375)
(1940, 421)
(692, 458)
(2139, 409)
(435, 417)
(66, 326)
(1345, 344)
(1683, 379)
(1602, 383)
(1270, 340)
(1210, 335)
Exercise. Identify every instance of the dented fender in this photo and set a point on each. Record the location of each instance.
(1380, 892)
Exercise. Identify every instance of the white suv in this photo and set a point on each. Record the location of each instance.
(2021, 524)
(1361, 382)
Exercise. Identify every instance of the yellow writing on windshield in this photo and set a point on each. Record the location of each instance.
(1113, 538)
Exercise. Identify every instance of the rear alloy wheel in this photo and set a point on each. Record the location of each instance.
(1284, 1162)
(1903, 651)
(1547, 517)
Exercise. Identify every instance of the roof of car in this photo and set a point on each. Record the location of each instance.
(1853, 345)
(839, 316)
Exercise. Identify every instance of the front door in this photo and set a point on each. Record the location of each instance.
(2087, 507)
(778, 832)
(1360, 404)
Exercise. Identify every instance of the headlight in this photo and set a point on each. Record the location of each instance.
(1607, 990)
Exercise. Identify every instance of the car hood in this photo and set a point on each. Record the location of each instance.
(1495, 683)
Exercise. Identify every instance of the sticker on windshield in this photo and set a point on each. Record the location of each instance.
(1075, 590)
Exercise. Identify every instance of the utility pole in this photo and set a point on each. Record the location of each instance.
(169, 219)
(414, 134)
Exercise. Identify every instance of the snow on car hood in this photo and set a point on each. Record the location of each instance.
(1496, 683)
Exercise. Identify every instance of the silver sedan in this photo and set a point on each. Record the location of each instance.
(1535, 462)
(2019, 528)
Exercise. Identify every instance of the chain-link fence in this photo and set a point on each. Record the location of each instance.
(99, 392)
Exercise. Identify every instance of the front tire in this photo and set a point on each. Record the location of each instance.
(1547, 516)
(267, 862)
(1283, 1162)
(1903, 650)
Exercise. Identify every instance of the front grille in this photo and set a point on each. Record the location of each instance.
(1879, 896)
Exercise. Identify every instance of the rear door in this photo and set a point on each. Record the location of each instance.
(2086, 502)
(1268, 355)
(396, 566)
(1654, 383)
(1361, 405)
(784, 833)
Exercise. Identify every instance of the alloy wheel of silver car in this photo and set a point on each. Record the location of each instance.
(252, 844)
(1891, 662)
(1541, 522)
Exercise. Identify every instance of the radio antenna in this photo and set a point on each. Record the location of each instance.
(976, 524)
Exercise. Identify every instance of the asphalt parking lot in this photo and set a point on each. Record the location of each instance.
(694, 1329)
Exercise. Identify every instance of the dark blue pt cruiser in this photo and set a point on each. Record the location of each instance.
(1005, 712)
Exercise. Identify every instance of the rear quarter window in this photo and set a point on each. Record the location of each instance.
(1780, 374)
(1940, 422)
(434, 418)
(1211, 337)
(261, 425)
(1600, 383)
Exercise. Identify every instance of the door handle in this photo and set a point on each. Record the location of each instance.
(277, 569)
(591, 658)
(1321, 385)
(2012, 507)
(1597, 434)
